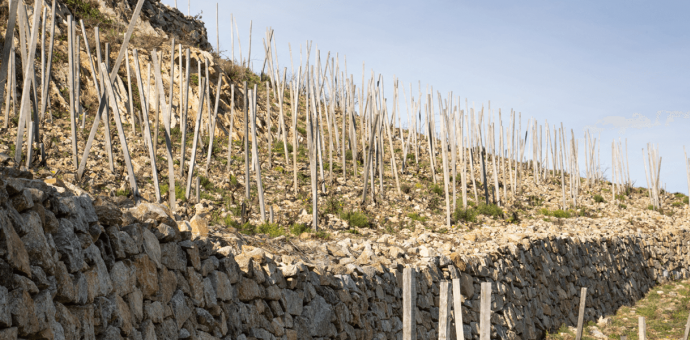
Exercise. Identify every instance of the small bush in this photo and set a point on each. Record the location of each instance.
(348, 155)
(333, 206)
(558, 213)
(467, 215)
(620, 197)
(650, 207)
(406, 188)
(298, 229)
(598, 199)
(685, 200)
(271, 229)
(434, 203)
(124, 192)
(491, 210)
(676, 204)
(322, 235)
(205, 183)
(356, 219)
(437, 189)
(410, 156)
(623, 206)
(416, 217)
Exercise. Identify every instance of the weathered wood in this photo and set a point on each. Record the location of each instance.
(121, 133)
(581, 315)
(457, 310)
(183, 116)
(232, 124)
(444, 311)
(409, 304)
(195, 140)
(197, 190)
(485, 312)
(168, 142)
(246, 138)
(642, 328)
(24, 110)
(125, 42)
(147, 131)
(129, 96)
(8, 46)
(10, 90)
(213, 126)
(255, 152)
(105, 115)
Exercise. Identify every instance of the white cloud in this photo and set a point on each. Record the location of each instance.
(637, 121)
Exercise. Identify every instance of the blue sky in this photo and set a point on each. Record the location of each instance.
(619, 69)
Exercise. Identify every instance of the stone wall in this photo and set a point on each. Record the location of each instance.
(78, 267)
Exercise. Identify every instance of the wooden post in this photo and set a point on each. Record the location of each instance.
(581, 315)
(444, 312)
(255, 152)
(197, 190)
(271, 217)
(147, 130)
(213, 125)
(24, 110)
(485, 312)
(457, 310)
(642, 331)
(183, 124)
(246, 139)
(121, 133)
(166, 134)
(409, 304)
(10, 91)
(46, 76)
(8, 46)
(195, 140)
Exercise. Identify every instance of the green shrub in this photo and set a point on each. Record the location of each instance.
(416, 217)
(205, 183)
(623, 206)
(410, 156)
(298, 228)
(124, 192)
(620, 197)
(279, 147)
(355, 218)
(348, 155)
(598, 199)
(405, 188)
(437, 189)
(685, 200)
(650, 207)
(467, 215)
(333, 206)
(676, 204)
(558, 213)
(491, 210)
(272, 229)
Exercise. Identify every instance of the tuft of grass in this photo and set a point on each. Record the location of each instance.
(467, 215)
(271, 229)
(124, 192)
(355, 218)
(558, 213)
(686, 200)
(620, 197)
(405, 188)
(416, 217)
(348, 155)
(298, 229)
(623, 206)
(598, 199)
(491, 210)
(676, 204)
(437, 189)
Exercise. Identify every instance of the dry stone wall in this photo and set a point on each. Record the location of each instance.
(78, 267)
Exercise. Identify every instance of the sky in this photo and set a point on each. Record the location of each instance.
(618, 69)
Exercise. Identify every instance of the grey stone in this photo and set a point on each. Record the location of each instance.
(69, 246)
(152, 247)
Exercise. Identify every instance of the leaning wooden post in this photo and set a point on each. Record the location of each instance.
(24, 106)
(232, 124)
(255, 152)
(642, 331)
(444, 312)
(246, 139)
(185, 105)
(485, 312)
(7, 47)
(581, 316)
(213, 125)
(121, 133)
(457, 310)
(409, 305)
(195, 140)
(147, 130)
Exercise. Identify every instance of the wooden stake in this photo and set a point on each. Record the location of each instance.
(147, 131)
(232, 124)
(195, 140)
(255, 151)
(485, 312)
(121, 134)
(185, 108)
(168, 142)
(642, 331)
(444, 312)
(457, 310)
(409, 304)
(8, 46)
(581, 315)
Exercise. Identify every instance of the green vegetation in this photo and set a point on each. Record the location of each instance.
(598, 199)
(416, 217)
(194, 79)
(558, 213)
(467, 215)
(271, 229)
(355, 218)
(490, 210)
(676, 204)
(123, 192)
(279, 148)
(623, 206)
(620, 197)
(405, 188)
(298, 228)
(348, 155)
(437, 189)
